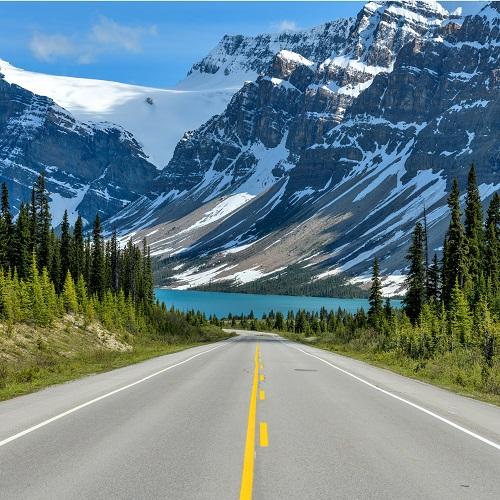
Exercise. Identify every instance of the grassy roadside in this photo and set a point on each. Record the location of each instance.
(430, 372)
(32, 359)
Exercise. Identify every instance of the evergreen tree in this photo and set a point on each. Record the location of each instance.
(55, 261)
(454, 267)
(33, 222)
(491, 259)
(114, 257)
(97, 265)
(65, 246)
(77, 245)
(70, 298)
(493, 215)
(375, 299)
(43, 223)
(459, 317)
(416, 279)
(473, 227)
(433, 286)
(22, 242)
(8, 227)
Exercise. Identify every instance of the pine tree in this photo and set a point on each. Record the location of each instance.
(114, 256)
(375, 299)
(8, 227)
(473, 227)
(65, 246)
(493, 215)
(433, 281)
(459, 317)
(491, 259)
(454, 267)
(55, 261)
(97, 266)
(416, 279)
(70, 298)
(43, 223)
(77, 260)
(22, 242)
(33, 222)
(87, 262)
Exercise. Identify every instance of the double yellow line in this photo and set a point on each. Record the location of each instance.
(249, 454)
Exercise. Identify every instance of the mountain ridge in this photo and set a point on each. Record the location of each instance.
(330, 143)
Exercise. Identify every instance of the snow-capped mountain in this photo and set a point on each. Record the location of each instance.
(328, 161)
(88, 168)
(157, 118)
(327, 148)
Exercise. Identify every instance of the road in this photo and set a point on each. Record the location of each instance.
(252, 417)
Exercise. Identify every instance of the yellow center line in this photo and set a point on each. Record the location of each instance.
(249, 455)
(264, 439)
(262, 395)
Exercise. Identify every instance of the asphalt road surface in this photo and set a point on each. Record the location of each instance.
(252, 417)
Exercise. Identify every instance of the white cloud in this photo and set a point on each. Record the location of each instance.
(286, 25)
(110, 34)
(105, 36)
(50, 47)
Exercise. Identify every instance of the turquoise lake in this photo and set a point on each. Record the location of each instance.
(221, 304)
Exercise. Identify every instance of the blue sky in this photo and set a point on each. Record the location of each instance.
(145, 43)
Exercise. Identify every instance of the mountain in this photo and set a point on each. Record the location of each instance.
(88, 168)
(157, 118)
(327, 161)
(320, 151)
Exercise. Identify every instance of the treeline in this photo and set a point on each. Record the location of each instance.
(45, 274)
(454, 302)
(449, 327)
(294, 280)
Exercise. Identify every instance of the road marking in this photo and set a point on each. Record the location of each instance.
(264, 439)
(406, 401)
(262, 378)
(104, 396)
(249, 455)
(262, 395)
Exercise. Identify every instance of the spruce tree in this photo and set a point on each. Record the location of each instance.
(491, 258)
(97, 266)
(43, 223)
(65, 246)
(473, 227)
(433, 280)
(70, 298)
(375, 299)
(8, 226)
(77, 261)
(114, 257)
(454, 267)
(459, 317)
(55, 261)
(22, 242)
(416, 279)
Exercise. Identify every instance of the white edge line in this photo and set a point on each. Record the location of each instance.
(403, 400)
(104, 396)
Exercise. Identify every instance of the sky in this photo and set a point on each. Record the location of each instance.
(146, 43)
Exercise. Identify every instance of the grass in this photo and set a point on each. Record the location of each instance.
(441, 372)
(34, 358)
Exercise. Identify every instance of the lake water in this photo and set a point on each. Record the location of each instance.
(221, 304)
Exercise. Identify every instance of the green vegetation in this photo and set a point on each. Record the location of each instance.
(294, 280)
(71, 305)
(448, 331)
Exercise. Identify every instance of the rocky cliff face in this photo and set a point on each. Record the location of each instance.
(331, 162)
(89, 168)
